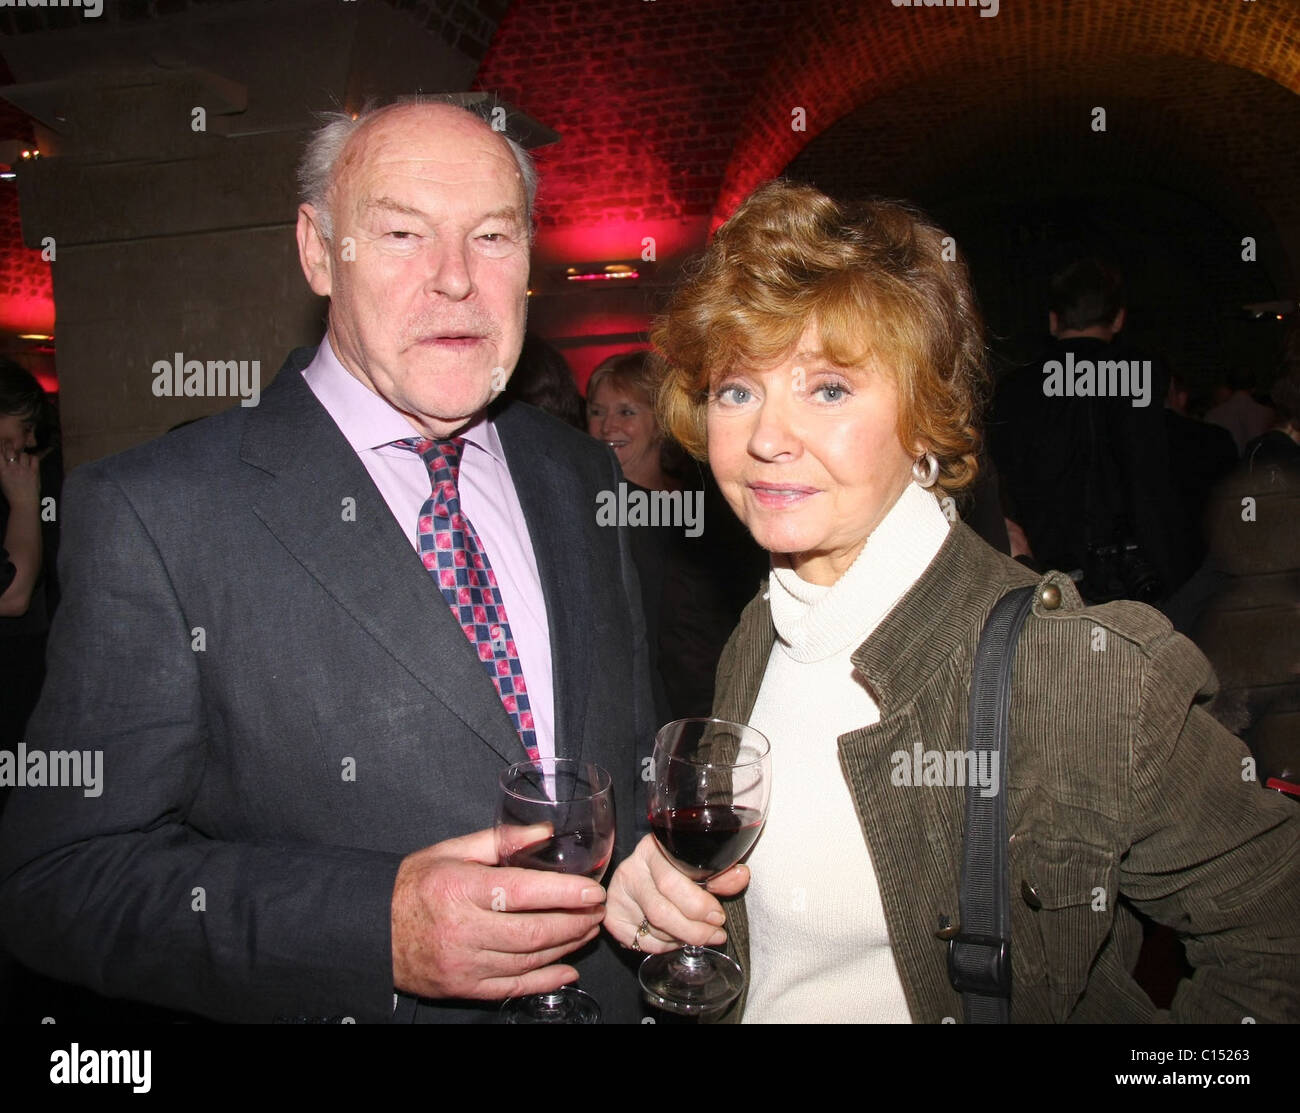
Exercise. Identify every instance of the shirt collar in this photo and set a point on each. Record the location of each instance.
(367, 421)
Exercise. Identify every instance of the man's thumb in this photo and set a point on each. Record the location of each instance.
(492, 845)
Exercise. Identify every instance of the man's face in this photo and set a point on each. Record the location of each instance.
(427, 272)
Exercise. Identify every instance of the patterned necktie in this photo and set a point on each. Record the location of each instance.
(455, 557)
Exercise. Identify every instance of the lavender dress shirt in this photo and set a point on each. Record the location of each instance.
(487, 496)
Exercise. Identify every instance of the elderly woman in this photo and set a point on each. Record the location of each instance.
(830, 364)
(621, 412)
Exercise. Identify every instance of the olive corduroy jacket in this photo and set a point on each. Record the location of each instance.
(1122, 790)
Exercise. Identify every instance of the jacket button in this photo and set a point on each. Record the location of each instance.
(1030, 895)
(947, 929)
(1050, 597)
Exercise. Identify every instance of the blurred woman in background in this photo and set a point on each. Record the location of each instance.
(27, 435)
(696, 576)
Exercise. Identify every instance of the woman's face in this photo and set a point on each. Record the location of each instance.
(625, 420)
(17, 432)
(808, 455)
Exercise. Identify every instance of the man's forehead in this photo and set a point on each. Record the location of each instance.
(431, 136)
(387, 163)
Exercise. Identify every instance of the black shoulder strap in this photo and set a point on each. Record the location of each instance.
(979, 955)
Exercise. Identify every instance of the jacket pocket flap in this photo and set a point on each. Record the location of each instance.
(1056, 874)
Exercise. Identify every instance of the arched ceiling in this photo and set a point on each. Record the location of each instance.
(671, 111)
(839, 56)
(1224, 136)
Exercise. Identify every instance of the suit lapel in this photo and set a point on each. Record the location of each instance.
(553, 501)
(361, 557)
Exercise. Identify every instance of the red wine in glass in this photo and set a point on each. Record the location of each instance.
(571, 852)
(703, 841)
(712, 780)
(555, 814)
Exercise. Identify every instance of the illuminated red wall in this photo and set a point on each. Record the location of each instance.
(26, 288)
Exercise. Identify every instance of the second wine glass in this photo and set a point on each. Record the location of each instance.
(555, 814)
(708, 801)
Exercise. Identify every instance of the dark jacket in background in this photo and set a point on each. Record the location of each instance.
(1200, 455)
(1077, 471)
(1250, 630)
(694, 589)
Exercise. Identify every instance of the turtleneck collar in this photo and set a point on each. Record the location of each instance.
(814, 622)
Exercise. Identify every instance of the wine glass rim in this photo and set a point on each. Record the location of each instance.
(757, 759)
(602, 782)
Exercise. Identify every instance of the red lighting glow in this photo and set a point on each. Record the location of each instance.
(602, 277)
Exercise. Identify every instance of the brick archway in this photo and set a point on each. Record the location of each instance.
(839, 56)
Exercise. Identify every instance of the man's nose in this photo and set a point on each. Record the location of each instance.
(451, 274)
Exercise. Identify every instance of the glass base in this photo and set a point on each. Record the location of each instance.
(564, 1006)
(691, 981)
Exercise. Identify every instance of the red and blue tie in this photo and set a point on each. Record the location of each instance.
(456, 559)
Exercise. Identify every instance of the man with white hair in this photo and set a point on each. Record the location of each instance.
(308, 636)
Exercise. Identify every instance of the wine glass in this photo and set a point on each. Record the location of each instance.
(555, 814)
(708, 801)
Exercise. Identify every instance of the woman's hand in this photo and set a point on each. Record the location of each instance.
(647, 886)
(20, 484)
(20, 476)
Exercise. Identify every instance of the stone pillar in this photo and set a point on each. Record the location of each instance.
(167, 184)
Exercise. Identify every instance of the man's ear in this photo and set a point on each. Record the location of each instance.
(1053, 322)
(1117, 325)
(314, 252)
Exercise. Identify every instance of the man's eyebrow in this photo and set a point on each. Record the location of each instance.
(389, 205)
(511, 213)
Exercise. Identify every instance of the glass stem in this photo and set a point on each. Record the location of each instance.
(692, 957)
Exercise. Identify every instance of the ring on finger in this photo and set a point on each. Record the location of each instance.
(644, 929)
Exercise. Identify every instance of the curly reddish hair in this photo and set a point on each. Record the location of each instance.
(874, 277)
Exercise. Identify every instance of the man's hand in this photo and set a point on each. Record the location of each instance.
(648, 886)
(465, 927)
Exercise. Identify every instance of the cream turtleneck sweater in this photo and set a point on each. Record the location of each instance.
(819, 948)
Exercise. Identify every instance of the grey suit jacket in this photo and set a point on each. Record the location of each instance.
(286, 708)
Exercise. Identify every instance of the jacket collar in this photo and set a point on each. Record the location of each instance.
(926, 627)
